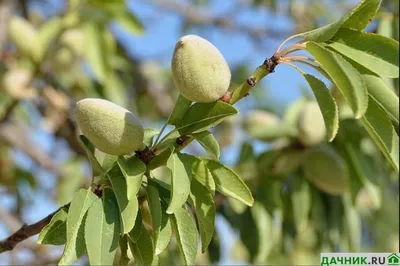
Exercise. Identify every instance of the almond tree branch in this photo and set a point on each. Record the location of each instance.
(26, 231)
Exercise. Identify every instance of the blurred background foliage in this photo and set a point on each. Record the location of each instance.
(54, 53)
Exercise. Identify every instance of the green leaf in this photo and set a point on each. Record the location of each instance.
(209, 143)
(54, 233)
(95, 50)
(181, 174)
(97, 170)
(130, 23)
(186, 234)
(202, 201)
(108, 162)
(202, 116)
(344, 75)
(165, 232)
(200, 172)
(143, 249)
(149, 134)
(357, 18)
(46, 34)
(128, 208)
(133, 170)
(375, 52)
(327, 105)
(301, 202)
(181, 107)
(352, 225)
(380, 91)
(153, 199)
(161, 158)
(264, 224)
(123, 245)
(134, 234)
(75, 244)
(228, 182)
(102, 230)
(381, 130)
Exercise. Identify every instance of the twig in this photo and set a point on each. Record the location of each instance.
(10, 108)
(25, 232)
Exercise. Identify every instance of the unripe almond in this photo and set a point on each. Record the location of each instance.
(110, 127)
(23, 34)
(199, 70)
(263, 125)
(324, 168)
(311, 125)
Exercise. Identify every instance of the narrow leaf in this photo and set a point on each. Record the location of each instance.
(133, 170)
(202, 116)
(143, 249)
(102, 230)
(357, 18)
(381, 130)
(186, 235)
(263, 221)
(46, 34)
(153, 199)
(301, 202)
(344, 75)
(128, 208)
(200, 171)
(149, 134)
(181, 107)
(375, 52)
(165, 232)
(55, 232)
(181, 174)
(123, 245)
(228, 182)
(97, 170)
(134, 234)
(209, 143)
(202, 201)
(75, 244)
(327, 105)
(130, 23)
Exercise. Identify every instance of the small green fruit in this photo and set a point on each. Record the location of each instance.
(110, 127)
(311, 125)
(263, 125)
(199, 70)
(324, 168)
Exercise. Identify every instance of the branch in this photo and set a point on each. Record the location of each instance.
(26, 231)
(10, 108)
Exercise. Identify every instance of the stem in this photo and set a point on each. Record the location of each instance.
(293, 65)
(288, 39)
(159, 135)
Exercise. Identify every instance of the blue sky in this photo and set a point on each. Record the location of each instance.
(157, 43)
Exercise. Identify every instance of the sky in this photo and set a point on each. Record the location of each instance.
(157, 43)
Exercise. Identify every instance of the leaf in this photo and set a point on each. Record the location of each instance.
(181, 174)
(301, 202)
(165, 232)
(357, 18)
(153, 199)
(97, 170)
(186, 234)
(133, 170)
(130, 23)
(375, 52)
(102, 230)
(134, 234)
(228, 182)
(54, 233)
(123, 245)
(352, 225)
(200, 172)
(344, 75)
(202, 201)
(181, 107)
(161, 159)
(143, 249)
(380, 91)
(263, 221)
(209, 143)
(202, 116)
(108, 162)
(327, 105)
(95, 47)
(381, 130)
(128, 208)
(75, 244)
(149, 134)
(46, 34)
